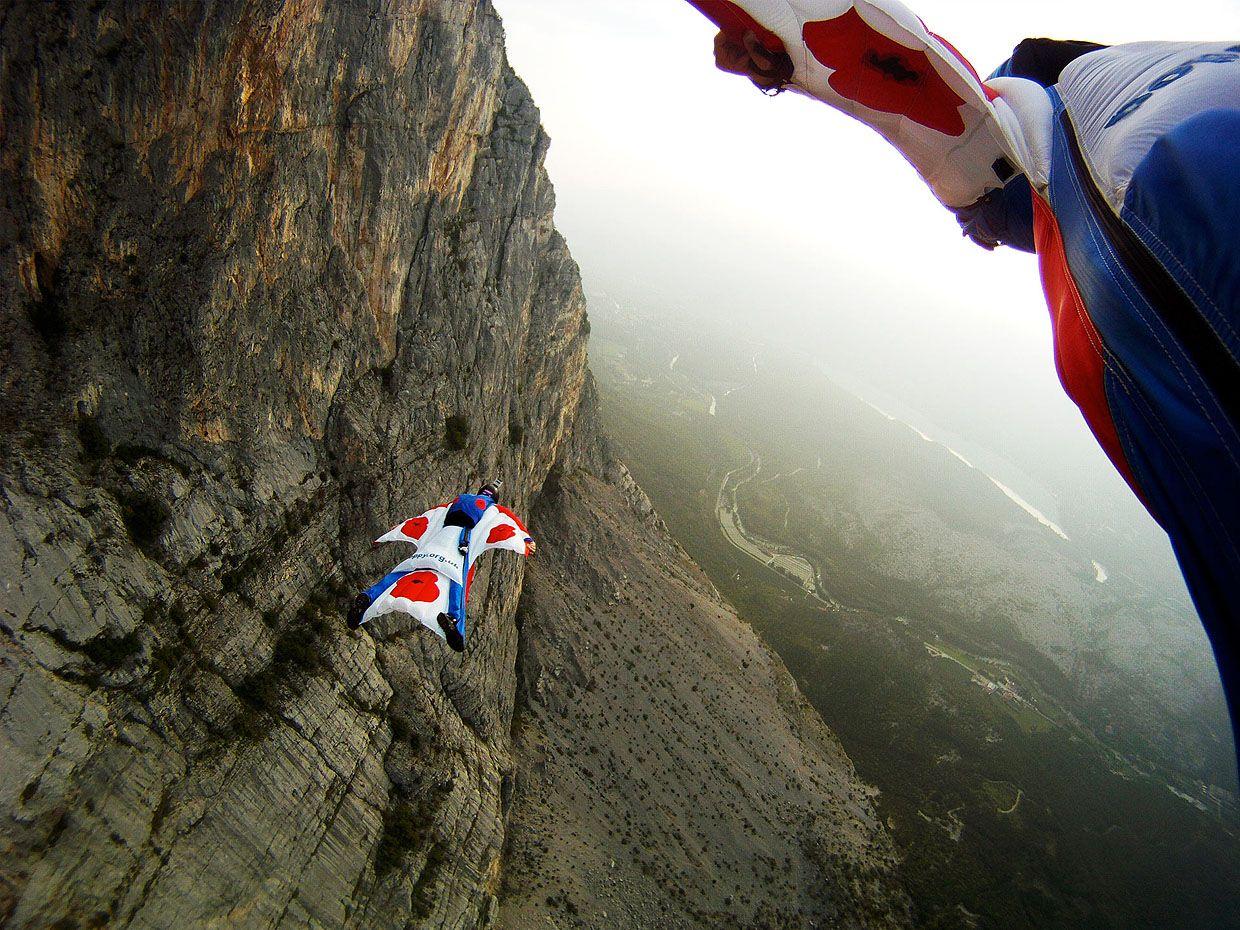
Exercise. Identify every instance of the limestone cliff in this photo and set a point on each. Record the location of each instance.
(272, 276)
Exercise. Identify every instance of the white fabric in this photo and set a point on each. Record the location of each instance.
(407, 532)
(1027, 115)
(419, 585)
(440, 552)
(498, 522)
(959, 169)
(1142, 77)
(438, 561)
(437, 546)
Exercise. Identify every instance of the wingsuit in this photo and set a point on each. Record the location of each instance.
(433, 584)
(1120, 167)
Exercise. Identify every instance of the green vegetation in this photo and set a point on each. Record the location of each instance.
(385, 376)
(1005, 806)
(94, 442)
(422, 901)
(403, 730)
(456, 432)
(299, 648)
(131, 452)
(47, 313)
(144, 516)
(1003, 795)
(297, 655)
(113, 651)
(406, 827)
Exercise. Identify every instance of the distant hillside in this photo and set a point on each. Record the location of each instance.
(901, 524)
(1020, 794)
(670, 773)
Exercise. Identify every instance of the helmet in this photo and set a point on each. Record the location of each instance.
(492, 488)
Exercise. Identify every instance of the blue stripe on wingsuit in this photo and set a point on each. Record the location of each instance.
(1171, 419)
(456, 605)
(1184, 204)
(384, 583)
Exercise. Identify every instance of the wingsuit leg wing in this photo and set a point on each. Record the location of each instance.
(422, 594)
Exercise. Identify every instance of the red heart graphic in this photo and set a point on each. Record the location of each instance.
(415, 528)
(419, 587)
(511, 516)
(501, 532)
(880, 73)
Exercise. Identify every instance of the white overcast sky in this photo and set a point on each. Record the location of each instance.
(687, 184)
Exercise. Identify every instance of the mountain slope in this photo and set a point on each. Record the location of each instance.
(670, 774)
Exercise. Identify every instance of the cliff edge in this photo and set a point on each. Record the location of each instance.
(274, 275)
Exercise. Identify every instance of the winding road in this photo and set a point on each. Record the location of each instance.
(795, 567)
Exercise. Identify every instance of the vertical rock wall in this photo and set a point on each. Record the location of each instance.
(253, 257)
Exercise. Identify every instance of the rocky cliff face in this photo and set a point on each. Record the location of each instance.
(669, 772)
(274, 275)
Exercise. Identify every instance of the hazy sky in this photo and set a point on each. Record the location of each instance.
(792, 222)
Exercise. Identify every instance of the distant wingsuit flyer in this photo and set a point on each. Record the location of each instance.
(1120, 167)
(432, 585)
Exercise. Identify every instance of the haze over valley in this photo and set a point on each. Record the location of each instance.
(978, 656)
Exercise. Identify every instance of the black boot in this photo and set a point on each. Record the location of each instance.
(451, 633)
(353, 619)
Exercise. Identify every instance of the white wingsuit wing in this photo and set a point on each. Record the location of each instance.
(878, 62)
(418, 528)
(499, 528)
(421, 594)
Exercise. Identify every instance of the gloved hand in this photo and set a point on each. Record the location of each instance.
(1003, 216)
(746, 55)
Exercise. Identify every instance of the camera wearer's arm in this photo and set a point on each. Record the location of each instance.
(878, 62)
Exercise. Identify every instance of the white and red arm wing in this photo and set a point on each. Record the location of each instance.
(878, 62)
(413, 531)
(500, 528)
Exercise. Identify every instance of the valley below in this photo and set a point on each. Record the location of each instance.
(971, 657)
